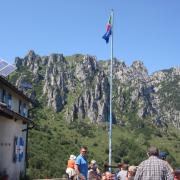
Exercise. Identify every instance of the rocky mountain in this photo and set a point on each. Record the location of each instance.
(71, 109)
(78, 86)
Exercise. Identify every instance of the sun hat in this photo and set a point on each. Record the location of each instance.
(72, 157)
(93, 162)
(132, 168)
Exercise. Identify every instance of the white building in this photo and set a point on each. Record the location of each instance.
(14, 123)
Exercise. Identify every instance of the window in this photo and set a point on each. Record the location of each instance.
(4, 96)
(15, 149)
(20, 106)
(0, 95)
(24, 110)
(9, 103)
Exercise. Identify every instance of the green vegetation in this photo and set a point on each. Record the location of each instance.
(170, 92)
(55, 137)
(53, 140)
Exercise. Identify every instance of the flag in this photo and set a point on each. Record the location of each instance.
(108, 30)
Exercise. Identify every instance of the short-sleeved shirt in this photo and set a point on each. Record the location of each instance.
(82, 163)
(122, 175)
(153, 169)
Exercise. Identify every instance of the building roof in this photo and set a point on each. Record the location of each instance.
(14, 88)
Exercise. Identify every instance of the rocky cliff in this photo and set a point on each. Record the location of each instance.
(78, 86)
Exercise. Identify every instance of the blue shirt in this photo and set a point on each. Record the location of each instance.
(82, 163)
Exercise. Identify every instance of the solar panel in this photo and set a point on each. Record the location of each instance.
(7, 70)
(3, 64)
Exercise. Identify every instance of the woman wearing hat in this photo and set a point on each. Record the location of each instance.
(71, 167)
(131, 172)
(94, 172)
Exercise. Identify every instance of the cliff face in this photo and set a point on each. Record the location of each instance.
(78, 85)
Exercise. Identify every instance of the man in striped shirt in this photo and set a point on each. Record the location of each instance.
(153, 168)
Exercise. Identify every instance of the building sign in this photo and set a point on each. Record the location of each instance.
(18, 152)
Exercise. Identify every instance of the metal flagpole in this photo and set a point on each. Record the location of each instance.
(110, 111)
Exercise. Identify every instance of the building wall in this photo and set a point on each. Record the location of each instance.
(15, 98)
(9, 129)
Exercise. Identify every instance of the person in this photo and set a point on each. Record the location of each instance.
(81, 165)
(163, 156)
(131, 172)
(122, 175)
(153, 168)
(107, 176)
(177, 174)
(94, 172)
(70, 170)
(119, 166)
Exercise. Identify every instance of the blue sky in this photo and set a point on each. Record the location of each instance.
(146, 30)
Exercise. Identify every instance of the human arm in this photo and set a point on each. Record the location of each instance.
(169, 172)
(139, 173)
(81, 177)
